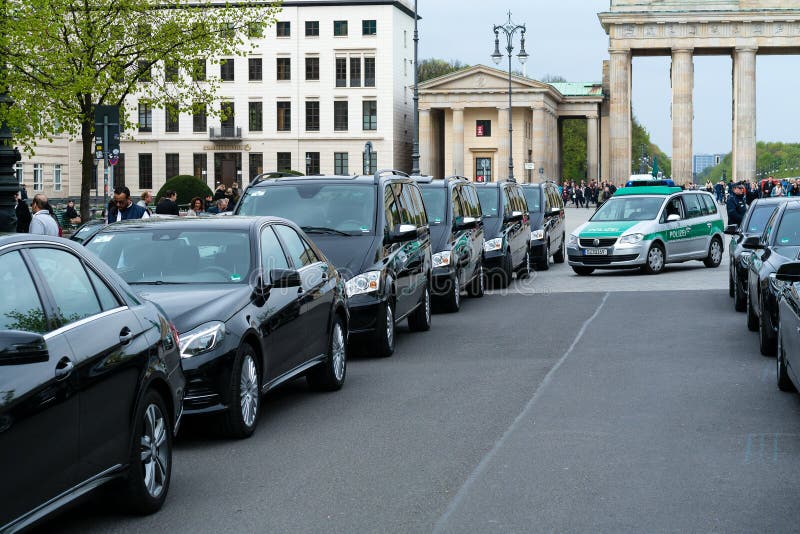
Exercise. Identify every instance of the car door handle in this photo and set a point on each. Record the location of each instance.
(125, 336)
(64, 368)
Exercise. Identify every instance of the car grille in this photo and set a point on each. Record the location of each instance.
(603, 260)
(603, 242)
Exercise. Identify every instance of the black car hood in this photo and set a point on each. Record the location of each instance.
(492, 227)
(440, 238)
(536, 219)
(350, 255)
(190, 305)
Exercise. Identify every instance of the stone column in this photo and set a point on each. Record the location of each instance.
(458, 141)
(620, 116)
(500, 171)
(425, 143)
(539, 139)
(744, 114)
(682, 114)
(592, 147)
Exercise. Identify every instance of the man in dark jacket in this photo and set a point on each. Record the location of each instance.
(23, 215)
(737, 204)
(124, 208)
(168, 206)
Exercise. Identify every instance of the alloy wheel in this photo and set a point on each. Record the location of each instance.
(338, 352)
(154, 451)
(716, 252)
(457, 290)
(655, 259)
(389, 325)
(248, 391)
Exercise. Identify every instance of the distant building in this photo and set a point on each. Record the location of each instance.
(703, 161)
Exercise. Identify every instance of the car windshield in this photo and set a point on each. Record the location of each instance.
(534, 196)
(789, 230)
(84, 232)
(154, 256)
(629, 209)
(434, 199)
(317, 208)
(488, 197)
(758, 219)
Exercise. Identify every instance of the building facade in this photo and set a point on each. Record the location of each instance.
(701, 162)
(319, 84)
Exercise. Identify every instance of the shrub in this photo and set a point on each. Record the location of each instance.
(187, 188)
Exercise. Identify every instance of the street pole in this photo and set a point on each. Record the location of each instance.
(415, 148)
(9, 155)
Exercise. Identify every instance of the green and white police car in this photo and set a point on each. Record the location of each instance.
(648, 227)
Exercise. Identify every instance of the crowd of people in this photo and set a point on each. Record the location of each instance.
(583, 194)
(122, 207)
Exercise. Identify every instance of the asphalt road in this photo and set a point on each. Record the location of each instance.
(539, 409)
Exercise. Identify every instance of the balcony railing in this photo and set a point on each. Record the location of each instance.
(225, 133)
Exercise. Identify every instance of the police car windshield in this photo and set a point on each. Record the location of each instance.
(488, 198)
(629, 209)
(348, 209)
(789, 231)
(434, 199)
(758, 219)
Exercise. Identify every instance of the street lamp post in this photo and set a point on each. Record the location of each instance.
(509, 29)
(415, 148)
(308, 163)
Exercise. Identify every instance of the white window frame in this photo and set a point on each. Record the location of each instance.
(19, 170)
(57, 177)
(38, 177)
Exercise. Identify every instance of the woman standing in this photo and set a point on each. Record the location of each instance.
(195, 207)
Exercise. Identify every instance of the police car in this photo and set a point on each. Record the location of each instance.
(648, 227)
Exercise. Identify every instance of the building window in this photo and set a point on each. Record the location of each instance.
(173, 116)
(228, 117)
(483, 169)
(19, 171)
(254, 70)
(284, 161)
(312, 163)
(283, 28)
(372, 168)
(200, 165)
(312, 115)
(199, 70)
(255, 30)
(38, 176)
(341, 72)
(145, 117)
(145, 72)
(171, 71)
(145, 171)
(355, 72)
(119, 172)
(370, 114)
(340, 163)
(57, 177)
(340, 111)
(284, 69)
(255, 116)
(229, 31)
(256, 160)
(200, 118)
(483, 128)
(340, 28)
(369, 27)
(312, 28)
(312, 68)
(369, 72)
(284, 116)
(173, 169)
(226, 70)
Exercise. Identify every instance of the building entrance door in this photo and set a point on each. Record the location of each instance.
(228, 168)
(483, 169)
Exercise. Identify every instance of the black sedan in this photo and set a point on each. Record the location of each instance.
(90, 383)
(753, 225)
(255, 302)
(788, 350)
(779, 244)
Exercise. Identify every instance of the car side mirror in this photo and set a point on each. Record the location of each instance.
(789, 272)
(463, 223)
(402, 233)
(284, 278)
(674, 217)
(753, 243)
(732, 229)
(21, 348)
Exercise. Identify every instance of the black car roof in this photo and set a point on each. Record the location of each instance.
(500, 183)
(13, 239)
(429, 181)
(234, 222)
(771, 200)
(381, 176)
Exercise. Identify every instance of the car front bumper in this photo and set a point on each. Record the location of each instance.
(615, 257)
(442, 281)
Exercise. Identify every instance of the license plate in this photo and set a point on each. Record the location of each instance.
(595, 252)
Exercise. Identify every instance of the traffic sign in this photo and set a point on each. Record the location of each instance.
(113, 159)
(529, 166)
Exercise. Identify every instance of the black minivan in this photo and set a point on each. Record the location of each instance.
(375, 231)
(546, 212)
(454, 214)
(506, 247)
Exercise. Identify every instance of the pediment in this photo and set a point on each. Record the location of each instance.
(481, 78)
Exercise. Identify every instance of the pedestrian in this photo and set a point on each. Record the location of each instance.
(209, 202)
(220, 192)
(123, 207)
(737, 205)
(145, 200)
(579, 197)
(42, 222)
(23, 192)
(71, 214)
(167, 205)
(220, 206)
(777, 190)
(23, 215)
(195, 207)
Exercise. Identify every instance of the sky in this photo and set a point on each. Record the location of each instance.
(564, 38)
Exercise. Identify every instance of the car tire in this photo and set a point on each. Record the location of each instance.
(524, 270)
(752, 318)
(784, 382)
(739, 297)
(451, 302)
(150, 471)
(420, 319)
(543, 264)
(731, 290)
(244, 392)
(475, 288)
(655, 261)
(715, 251)
(502, 277)
(330, 374)
(583, 271)
(384, 338)
(767, 343)
(558, 256)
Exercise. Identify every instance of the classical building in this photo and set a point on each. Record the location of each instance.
(682, 29)
(464, 123)
(329, 76)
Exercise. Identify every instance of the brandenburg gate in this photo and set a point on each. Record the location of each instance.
(682, 29)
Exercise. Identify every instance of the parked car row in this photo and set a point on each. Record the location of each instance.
(105, 347)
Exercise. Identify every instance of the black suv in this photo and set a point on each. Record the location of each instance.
(454, 214)
(375, 230)
(546, 212)
(506, 248)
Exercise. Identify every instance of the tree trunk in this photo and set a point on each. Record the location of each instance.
(87, 168)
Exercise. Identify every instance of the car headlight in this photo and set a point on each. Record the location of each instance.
(363, 283)
(441, 259)
(537, 235)
(631, 239)
(202, 339)
(493, 244)
(572, 239)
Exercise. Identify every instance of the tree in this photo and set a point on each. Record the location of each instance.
(64, 57)
(433, 68)
(186, 186)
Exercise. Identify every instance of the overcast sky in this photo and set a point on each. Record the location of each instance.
(565, 38)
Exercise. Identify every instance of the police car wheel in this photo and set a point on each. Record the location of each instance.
(655, 260)
(714, 257)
